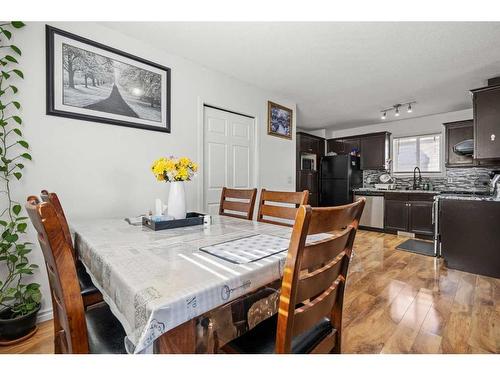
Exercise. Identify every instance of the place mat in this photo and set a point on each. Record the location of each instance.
(253, 248)
(248, 249)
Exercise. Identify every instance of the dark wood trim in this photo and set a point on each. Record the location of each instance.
(310, 135)
(360, 136)
(50, 108)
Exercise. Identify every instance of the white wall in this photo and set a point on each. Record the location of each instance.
(101, 170)
(410, 126)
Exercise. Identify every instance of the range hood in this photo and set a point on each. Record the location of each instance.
(464, 148)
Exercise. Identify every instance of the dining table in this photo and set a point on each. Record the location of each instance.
(171, 293)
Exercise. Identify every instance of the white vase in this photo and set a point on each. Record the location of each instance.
(177, 200)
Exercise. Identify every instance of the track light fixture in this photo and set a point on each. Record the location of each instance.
(396, 109)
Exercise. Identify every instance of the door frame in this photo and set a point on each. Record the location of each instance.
(202, 103)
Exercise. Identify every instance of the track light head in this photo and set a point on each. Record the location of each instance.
(410, 110)
(384, 116)
(396, 112)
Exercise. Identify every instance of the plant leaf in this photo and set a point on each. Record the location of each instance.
(17, 24)
(22, 227)
(11, 59)
(24, 144)
(7, 33)
(14, 89)
(16, 209)
(16, 104)
(26, 156)
(3, 223)
(18, 175)
(18, 72)
(15, 49)
(5, 75)
(20, 166)
(17, 119)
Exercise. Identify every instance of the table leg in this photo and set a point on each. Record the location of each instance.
(180, 340)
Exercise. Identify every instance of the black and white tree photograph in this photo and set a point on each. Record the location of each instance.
(279, 120)
(95, 82)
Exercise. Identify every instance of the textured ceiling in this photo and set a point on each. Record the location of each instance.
(341, 74)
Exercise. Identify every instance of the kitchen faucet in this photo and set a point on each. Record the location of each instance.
(415, 178)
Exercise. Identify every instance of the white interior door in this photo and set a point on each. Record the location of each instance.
(228, 154)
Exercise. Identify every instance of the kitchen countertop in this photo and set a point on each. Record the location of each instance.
(444, 194)
(461, 197)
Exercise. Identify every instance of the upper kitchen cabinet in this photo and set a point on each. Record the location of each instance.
(375, 151)
(486, 104)
(459, 139)
(373, 148)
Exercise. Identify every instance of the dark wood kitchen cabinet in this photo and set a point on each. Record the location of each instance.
(308, 179)
(456, 132)
(486, 107)
(469, 235)
(409, 212)
(373, 148)
(396, 216)
(375, 151)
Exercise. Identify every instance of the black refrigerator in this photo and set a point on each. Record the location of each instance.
(339, 174)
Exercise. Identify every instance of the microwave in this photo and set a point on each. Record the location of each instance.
(308, 162)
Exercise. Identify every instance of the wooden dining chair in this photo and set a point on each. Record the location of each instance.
(76, 331)
(237, 203)
(90, 294)
(309, 318)
(284, 214)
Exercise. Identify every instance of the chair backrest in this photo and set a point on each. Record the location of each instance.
(286, 214)
(314, 277)
(70, 329)
(239, 202)
(53, 199)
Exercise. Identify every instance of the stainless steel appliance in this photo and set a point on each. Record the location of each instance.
(373, 213)
(308, 162)
(339, 175)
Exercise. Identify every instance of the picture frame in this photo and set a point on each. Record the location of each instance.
(90, 81)
(279, 120)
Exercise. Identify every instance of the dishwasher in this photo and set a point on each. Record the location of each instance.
(373, 213)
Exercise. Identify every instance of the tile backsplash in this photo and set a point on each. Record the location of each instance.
(456, 179)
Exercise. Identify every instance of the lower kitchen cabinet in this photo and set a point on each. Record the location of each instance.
(420, 218)
(409, 213)
(396, 215)
(469, 235)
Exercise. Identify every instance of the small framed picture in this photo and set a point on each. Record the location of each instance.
(87, 80)
(279, 122)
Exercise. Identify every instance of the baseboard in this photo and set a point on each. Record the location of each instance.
(44, 316)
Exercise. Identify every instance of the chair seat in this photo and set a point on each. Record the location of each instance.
(262, 338)
(86, 285)
(105, 333)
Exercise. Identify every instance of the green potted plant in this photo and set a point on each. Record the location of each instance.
(19, 301)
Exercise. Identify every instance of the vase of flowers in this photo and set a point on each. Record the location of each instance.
(175, 171)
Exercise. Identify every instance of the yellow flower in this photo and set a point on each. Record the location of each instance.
(182, 174)
(184, 161)
(194, 167)
(169, 165)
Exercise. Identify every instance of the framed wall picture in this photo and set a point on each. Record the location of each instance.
(279, 121)
(89, 81)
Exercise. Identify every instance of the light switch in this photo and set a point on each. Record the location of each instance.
(289, 179)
